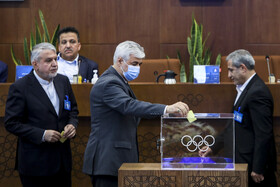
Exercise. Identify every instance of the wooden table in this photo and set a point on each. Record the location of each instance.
(151, 174)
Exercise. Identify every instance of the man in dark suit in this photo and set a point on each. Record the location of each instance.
(69, 61)
(253, 111)
(115, 115)
(3, 72)
(40, 106)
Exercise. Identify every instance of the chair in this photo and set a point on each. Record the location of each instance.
(152, 68)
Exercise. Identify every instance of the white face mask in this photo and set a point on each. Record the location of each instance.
(132, 72)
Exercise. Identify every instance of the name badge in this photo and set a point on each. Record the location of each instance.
(238, 116)
(67, 103)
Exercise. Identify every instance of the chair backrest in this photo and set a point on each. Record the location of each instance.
(260, 67)
(152, 68)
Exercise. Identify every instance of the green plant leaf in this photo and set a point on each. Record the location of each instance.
(45, 28)
(26, 51)
(194, 36)
(207, 57)
(206, 40)
(55, 35)
(43, 38)
(15, 60)
(32, 41)
(191, 63)
(199, 45)
(37, 33)
(189, 43)
(183, 75)
(218, 59)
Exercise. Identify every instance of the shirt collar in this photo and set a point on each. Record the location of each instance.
(240, 88)
(42, 81)
(59, 58)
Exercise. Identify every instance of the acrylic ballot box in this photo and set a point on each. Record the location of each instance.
(184, 142)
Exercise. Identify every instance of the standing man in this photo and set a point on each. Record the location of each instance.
(115, 115)
(69, 61)
(253, 110)
(40, 106)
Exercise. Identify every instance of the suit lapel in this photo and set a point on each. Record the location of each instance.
(39, 92)
(59, 90)
(112, 70)
(131, 92)
(243, 95)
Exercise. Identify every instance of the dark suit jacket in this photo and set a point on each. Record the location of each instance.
(254, 137)
(29, 112)
(3, 72)
(115, 115)
(86, 68)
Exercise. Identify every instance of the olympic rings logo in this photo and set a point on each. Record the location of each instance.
(191, 99)
(200, 140)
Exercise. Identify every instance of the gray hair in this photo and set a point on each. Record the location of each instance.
(127, 48)
(37, 49)
(241, 56)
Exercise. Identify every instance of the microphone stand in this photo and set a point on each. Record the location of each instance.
(270, 76)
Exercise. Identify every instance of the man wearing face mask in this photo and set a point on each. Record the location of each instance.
(115, 115)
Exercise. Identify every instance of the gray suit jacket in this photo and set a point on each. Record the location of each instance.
(115, 115)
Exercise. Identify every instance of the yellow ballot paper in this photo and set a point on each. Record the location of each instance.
(191, 116)
(62, 139)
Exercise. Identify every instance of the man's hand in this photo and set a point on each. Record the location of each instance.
(178, 108)
(52, 136)
(205, 153)
(257, 178)
(69, 131)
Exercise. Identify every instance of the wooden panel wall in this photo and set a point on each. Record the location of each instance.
(161, 26)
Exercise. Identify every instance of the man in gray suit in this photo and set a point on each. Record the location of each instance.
(115, 115)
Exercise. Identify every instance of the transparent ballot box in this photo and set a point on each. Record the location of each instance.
(184, 142)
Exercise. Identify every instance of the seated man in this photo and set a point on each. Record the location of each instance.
(3, 72)
(69, 61)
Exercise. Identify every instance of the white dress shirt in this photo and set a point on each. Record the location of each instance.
(240, 88)
(68, 68)
(51, 93)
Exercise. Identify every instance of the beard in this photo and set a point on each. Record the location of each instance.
(52, 75)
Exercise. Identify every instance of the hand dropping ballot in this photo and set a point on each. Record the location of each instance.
(191, 118)
(62, 139)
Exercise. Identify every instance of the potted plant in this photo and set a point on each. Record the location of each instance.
(196, 48)
(21, 69)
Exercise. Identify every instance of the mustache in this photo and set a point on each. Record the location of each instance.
(68, 49)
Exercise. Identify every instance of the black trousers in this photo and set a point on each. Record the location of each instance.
(61, 179)
(104, 181)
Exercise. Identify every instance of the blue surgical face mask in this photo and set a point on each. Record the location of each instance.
(132, 72)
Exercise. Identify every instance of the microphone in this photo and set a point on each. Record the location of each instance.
(267, 61)
(79, 63)
(271, 77)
